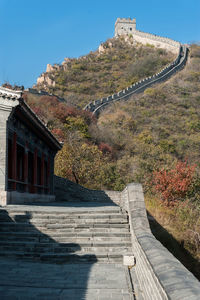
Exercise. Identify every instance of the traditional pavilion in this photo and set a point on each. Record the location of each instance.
(27, 151)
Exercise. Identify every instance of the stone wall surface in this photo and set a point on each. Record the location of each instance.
(127, 27)
(157, 41)
(160, 274)
(5, 111)
(99, 105)
(66, 190)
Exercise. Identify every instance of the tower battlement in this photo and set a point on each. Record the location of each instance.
(124, 26)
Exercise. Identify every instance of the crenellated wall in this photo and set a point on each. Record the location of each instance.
(156, 40)
(98, 105)
(128, 27)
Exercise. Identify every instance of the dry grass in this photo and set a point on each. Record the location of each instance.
(178, 229)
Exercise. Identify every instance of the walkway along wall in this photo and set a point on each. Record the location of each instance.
(160, 275)
(178, 64)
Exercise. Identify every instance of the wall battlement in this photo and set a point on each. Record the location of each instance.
(127, 26)
(124, 26)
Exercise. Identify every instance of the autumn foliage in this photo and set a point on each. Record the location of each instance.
(105, 148)
(174, 184)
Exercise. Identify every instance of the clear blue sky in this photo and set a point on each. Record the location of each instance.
(36, 32)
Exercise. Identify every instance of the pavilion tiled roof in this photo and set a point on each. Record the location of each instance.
(13, 95)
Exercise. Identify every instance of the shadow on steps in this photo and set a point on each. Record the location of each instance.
(22, 241)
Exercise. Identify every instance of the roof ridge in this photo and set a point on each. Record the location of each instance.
(8, 93)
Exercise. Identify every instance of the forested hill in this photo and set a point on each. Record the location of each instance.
(117, 64)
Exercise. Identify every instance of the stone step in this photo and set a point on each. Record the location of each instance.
(57, 229)
(54, 244)
(16, 227)
(12, 234)
(78, 257)
(54, 210)
(64, 216)
(108, 220)
(79, 240)
(68, 250)
(61, 239)
(76, 222)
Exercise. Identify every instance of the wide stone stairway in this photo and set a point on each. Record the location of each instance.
(64, 251)
(65, 234)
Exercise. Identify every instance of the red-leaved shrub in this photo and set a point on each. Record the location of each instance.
(105, 148)
(174, 184)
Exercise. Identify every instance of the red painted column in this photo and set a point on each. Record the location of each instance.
(42, 171)
(14, 161)
(48, 173)
(26, 166)
(35, 171)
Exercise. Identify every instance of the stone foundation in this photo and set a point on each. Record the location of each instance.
(14, 197)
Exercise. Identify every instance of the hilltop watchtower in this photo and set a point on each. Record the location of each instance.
(124, 26)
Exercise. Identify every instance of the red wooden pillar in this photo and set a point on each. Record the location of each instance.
(35, 171)
(14, 160)
(26, 167)
(42, 171)
(48, 173)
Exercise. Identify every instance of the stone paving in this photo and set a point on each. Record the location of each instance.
(26, 277)
(34, 280)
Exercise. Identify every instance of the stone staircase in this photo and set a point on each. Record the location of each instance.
(67, 233)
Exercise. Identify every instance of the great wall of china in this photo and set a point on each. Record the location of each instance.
(51, 232)
(160, 274)
(98, 105)
(178, 64)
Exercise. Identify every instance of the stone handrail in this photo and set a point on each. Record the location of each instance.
(160, 275)
(98, 105)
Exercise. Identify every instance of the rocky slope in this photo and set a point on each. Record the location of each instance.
(114, 66)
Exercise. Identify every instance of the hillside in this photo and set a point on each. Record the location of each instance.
(117, 64)
(131, 141)
(157, 127)
(157, 140)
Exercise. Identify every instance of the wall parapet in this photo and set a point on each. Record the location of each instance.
(98, 105)
(158, 38)
(159, 273)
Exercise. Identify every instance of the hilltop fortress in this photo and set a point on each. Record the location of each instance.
(128, 27)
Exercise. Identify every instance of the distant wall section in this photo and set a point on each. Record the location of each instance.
(127, 26)
(178, 64)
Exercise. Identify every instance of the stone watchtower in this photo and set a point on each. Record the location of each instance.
(124, 26)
